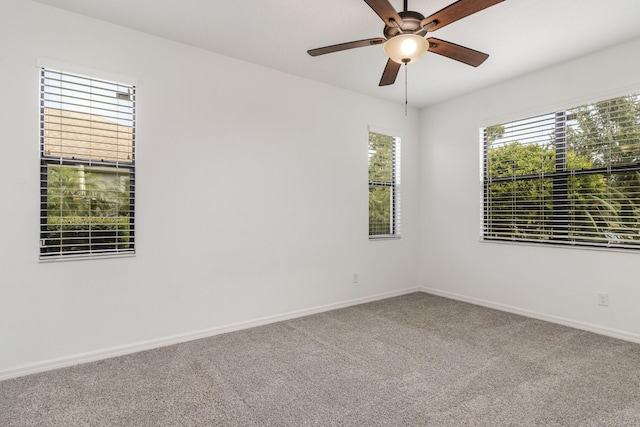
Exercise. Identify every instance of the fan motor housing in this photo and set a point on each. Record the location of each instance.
(411, 21)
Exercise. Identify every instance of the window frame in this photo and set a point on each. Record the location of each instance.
(123, 170)
(393, 184)
(561, 200)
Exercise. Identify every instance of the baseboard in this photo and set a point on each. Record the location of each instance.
(93, 356)
(614, 333)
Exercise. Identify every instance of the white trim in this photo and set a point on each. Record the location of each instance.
(614, 333)
(66, 258)
(384, 131)
(85, 71)
(93, 356)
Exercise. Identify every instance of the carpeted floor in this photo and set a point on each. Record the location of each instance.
(414, 360)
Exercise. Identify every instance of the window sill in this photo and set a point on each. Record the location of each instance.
(385, 237)
(547, 244)
(94, 257)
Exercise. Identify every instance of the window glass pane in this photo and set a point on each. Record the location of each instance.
(380, 157)
(520, 209)
(77, 135)
(380, 210)
(605, 134)
(87, 207)
(606, 208)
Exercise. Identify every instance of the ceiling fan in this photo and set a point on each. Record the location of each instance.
(404, 34)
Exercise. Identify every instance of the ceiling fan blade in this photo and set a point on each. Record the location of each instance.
(345, 46)
(457, 10)
(385, 11)
(390, 73)
(457, 52)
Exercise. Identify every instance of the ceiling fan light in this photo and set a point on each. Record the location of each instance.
(405, 48)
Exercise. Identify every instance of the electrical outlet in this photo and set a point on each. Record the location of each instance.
(355, 278)
(603, 299)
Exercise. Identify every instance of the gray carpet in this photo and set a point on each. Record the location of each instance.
(414, 360)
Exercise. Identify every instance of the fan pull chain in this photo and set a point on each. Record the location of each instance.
(406, 96)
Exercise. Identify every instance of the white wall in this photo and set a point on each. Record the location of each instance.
(251, 197)
(559, 284)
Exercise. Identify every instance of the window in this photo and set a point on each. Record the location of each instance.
(87, 166)
(384, 185)
(570, 177)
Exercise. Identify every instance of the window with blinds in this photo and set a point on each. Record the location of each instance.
(570, 177)
(87, 166)
(384, 185)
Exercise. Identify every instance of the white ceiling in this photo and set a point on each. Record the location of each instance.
(520, 35)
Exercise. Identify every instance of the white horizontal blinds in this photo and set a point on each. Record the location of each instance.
(384, 180)
(397, 146)
(519, 209)
(87, 165)
(570, 177)
(86, 118)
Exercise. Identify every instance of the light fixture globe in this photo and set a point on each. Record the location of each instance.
(405, 48)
